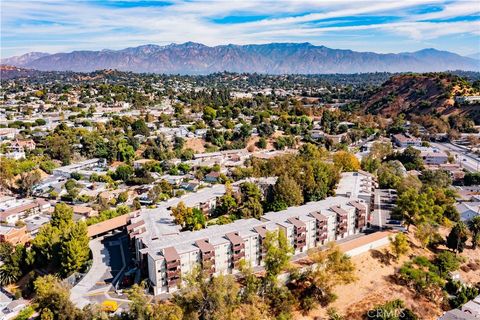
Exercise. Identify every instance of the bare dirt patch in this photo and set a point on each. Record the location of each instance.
(375, 284)
(196, 144)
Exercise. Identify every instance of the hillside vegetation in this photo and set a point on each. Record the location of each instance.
(423, 94)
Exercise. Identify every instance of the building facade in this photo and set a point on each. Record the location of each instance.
(219, 249)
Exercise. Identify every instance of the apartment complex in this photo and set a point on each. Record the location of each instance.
(218, 249)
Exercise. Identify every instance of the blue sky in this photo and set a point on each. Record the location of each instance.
(379, 26)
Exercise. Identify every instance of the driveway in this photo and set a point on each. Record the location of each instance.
(110, 256)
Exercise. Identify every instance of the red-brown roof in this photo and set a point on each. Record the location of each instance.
(318, 216)
(358, 205)
(234, 238)
(339, 211)
(171, 254)
(204, 245)
(297, 222)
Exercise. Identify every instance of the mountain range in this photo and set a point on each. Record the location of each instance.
(272, 58)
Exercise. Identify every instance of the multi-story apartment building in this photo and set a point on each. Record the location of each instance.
(218, 249)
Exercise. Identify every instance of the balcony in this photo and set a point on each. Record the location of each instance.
(208, 255)
(321, 224)
(238, 256)
(239, 246)
(360, 223)
(300, 230)
(300, 237)
(209, 271)
(342, 223)
(173, 274)
(322, 237)
(173, 264)
(300, 244)
(172, 282)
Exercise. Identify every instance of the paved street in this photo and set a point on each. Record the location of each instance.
(465, 158)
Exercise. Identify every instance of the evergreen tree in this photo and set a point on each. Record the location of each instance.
(457, 237)
(474, 227)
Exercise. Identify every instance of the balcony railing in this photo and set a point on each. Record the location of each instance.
(172, 282)
(173, 274)
(208, 255)
(302, 236)
(173, 264)
(322, 237)
(239, 246)
(238, 256)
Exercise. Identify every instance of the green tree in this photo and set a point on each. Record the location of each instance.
(53, 299)
(188, 218)
(126, 153)
(74, 248)
(446, 262)
(12, 257)
(227, 203)
(122, 197)
(140, 127)
(457, 237)
(262, 143)
(427, 233)
(250, 204)
(62, 215)
(370, 164)
(399, 245)
(27, 181)
(9, 274)
(278, 254)
(474, 227)
(390, 174)
(316, 284)
(62, 242)
(286, 193)
(123, 172)
(411, 159)
(208, 298)
(59, 148)
(209, 114)
(436, 178)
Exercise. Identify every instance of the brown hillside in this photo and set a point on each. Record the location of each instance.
(419, 94)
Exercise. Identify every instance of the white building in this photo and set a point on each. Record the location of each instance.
(168, 254)
(84, 168)
(403, 141)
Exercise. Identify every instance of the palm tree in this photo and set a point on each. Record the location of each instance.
(474, 226)
(9, 274)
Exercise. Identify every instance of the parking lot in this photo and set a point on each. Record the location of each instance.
(111, 258)
(385, 200)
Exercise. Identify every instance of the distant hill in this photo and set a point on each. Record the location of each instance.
(422, 94)
(11, 72)
(475, 56)
(23, 60)
(273, 58)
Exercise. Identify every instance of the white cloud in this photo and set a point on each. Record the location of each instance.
(69, 25)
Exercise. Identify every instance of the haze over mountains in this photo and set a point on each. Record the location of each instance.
(272, 58)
